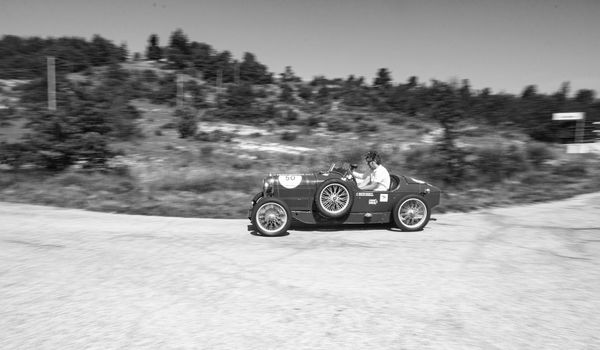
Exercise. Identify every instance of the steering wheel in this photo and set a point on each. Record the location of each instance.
(349, 174)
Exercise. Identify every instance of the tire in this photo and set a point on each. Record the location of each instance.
(334, 198)
(411, 213)
(271, 217)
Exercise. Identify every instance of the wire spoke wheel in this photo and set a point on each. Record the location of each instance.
(271, 218)
(334, 198)
(412, 214)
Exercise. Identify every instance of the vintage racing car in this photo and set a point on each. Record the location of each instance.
(333, 197)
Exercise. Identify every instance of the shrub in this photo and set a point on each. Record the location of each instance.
(337, 125)
(572, 169)
(214, 136)
(169, 125)
(15, 154)
(207, 151)
(426, 163)
(366, 127)
(289, 136)
(314, 120)
(187, 125)
(495, 163)
(242, 165)
(538, 153)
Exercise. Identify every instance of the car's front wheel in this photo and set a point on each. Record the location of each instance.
(271, 217)
(411, 213)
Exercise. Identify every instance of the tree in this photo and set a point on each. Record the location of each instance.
(58, 141)
(288, 76)
(122, 52)
(412, 82)
(178, 51)
(240, 97)
(535, 111)
(323, 95)
(287, 94)
(254, 72)
(202, 57)
(305, 92)
(179, 41)
(187, 125)
(383, 79)
(446, 107)
(102, 51)
(153, 51)
(585, 96)
(222, 62)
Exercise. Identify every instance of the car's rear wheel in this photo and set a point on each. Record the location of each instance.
(271, 217)
(411, 213)
(334, 198)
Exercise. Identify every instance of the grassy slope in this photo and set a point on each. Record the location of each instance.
(168, 175)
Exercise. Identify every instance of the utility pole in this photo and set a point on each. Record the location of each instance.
(51, 83)
(219, 80)
(179, 91)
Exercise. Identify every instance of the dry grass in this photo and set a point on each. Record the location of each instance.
(162, 174)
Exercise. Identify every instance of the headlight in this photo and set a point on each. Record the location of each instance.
(268, 185)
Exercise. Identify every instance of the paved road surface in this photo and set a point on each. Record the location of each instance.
(515, 278)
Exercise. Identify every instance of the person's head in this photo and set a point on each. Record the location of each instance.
(373, 159)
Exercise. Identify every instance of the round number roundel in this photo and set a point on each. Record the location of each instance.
(290, 181)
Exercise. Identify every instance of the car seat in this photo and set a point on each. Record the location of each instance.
(394, 183)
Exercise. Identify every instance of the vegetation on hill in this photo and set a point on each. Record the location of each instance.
(148, 136)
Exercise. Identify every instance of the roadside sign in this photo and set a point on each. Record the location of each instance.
(568, 116)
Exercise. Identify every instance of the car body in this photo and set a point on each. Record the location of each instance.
(333, 197)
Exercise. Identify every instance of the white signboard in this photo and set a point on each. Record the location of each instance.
(290, 181)
(583, 148)
(568, 116)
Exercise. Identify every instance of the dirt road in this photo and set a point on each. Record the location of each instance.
(514, 278)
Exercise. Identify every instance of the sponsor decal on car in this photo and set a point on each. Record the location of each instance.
(383, 197)
(290, 181)
(365, 194)
(373, 201)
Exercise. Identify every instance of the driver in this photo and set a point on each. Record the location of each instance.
(378, 179)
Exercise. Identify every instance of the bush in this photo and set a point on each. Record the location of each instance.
(314, 120)
(187, 125)
(426, 163)
(366, 127)
(15, 154)
(494, 163)
(207, 151)
(242, 165)
(289, 136)
(337, 125)
(169, 125)
(214, 136)
(538, 153)
(572, 169)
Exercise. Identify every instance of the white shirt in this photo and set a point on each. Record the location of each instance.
(381, 177)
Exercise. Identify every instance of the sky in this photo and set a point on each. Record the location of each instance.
(503, 45)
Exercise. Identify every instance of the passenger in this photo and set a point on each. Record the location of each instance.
(378, 179)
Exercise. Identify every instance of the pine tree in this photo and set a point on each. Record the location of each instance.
(153, 51)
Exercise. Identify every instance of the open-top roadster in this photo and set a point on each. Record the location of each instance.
(333, 197)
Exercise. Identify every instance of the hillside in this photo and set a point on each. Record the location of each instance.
(216, 170)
